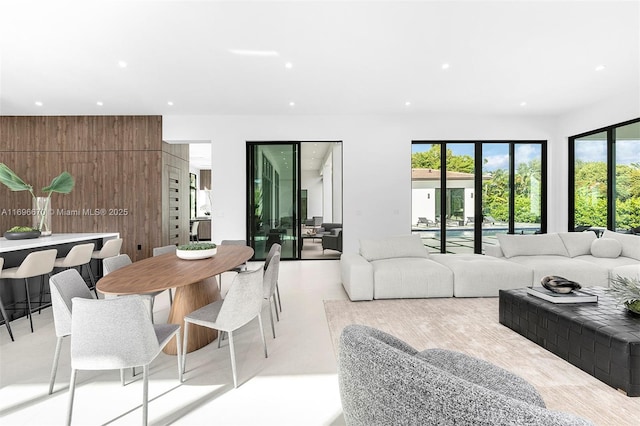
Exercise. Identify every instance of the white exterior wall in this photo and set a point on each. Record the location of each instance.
(376, 160)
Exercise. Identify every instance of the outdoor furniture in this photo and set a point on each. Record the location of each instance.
(426, 222)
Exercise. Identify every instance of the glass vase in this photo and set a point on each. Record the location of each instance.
(42, 215)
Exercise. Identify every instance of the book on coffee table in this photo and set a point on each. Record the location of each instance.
(575, 296)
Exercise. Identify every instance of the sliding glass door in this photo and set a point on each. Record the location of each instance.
(273, 194)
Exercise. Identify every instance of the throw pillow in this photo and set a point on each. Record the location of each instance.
(630, 243)
(606, 247)
(531, 245)
(578, 243)
(393, 247)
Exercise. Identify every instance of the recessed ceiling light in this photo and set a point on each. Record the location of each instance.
(99, 103)
(170, 103)
(122, 64)
(523, 103)
(445, 66)
(407, 103)
(38, 103)
(246, 52)
(600, 67)
(288, 65)
(292, 104)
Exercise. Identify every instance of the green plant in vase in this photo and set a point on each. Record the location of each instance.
(197, 246)
(62, 184)
(626, 291)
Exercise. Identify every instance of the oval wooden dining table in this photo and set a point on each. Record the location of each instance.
(194, 281)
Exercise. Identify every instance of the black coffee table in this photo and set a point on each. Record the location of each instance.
(600, 338)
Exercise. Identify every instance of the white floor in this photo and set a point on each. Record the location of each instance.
(296, 385)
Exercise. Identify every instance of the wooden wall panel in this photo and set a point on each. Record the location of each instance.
(117, 163)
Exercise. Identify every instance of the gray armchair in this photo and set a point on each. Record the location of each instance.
(384, 381)
(333, 240)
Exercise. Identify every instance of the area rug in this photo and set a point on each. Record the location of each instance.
(471, 326)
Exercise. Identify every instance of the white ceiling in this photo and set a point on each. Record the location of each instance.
(348, 57)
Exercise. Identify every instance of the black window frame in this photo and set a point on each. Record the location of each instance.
(477, 227)
(611, 173)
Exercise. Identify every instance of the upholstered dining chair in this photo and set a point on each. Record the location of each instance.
(114, 263)
(269, 287)
(100, 343)
(109, 249)
(275, 248)
(157, 251)
(36, 264)
(78, 257)
(237, 269)
(64, 286)
(242, 304)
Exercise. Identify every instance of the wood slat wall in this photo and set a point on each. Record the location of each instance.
(116, 161)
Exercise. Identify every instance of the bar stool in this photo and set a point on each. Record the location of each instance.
(109, 249)
(79, 256)
(4, 313)
(37, 263)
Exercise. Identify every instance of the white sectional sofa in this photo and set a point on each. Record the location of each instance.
(578, 256)
(400, 267)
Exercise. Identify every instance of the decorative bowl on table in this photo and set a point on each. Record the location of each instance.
(196, 251)
(21, 233)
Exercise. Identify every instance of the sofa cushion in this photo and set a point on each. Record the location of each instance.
(393, 247)
(410, 277)
(587, 274)
(627, 271)
(532, 245)
(606, 247)
(578, 243)
(630, 243)
(476, 275)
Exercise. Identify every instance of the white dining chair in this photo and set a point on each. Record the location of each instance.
(110, 334)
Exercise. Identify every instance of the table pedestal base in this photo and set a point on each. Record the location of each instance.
(186, 300)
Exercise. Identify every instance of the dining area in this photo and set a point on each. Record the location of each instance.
(131, 323)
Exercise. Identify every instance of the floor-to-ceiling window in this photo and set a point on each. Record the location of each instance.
(464, 193)
(604, 178)
(290, 187)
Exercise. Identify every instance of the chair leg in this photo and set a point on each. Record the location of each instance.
(26, 288)
(72, 389)
(54, 368)
(170, 298)
(278, 293)
(179, 353)
(275, 306)
(264, 341)
(92, 278)
(41, 294)
(273, 327)
(6, 320)
(232, 352)
(122, 376)
(145, 393)
(184, 347)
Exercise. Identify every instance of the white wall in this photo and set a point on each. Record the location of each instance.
(617, 109)
(376, 160)
(312, 182)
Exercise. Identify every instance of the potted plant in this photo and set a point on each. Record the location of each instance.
(195, 251)
(626, 291)
(21, 233)
(63, 184)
